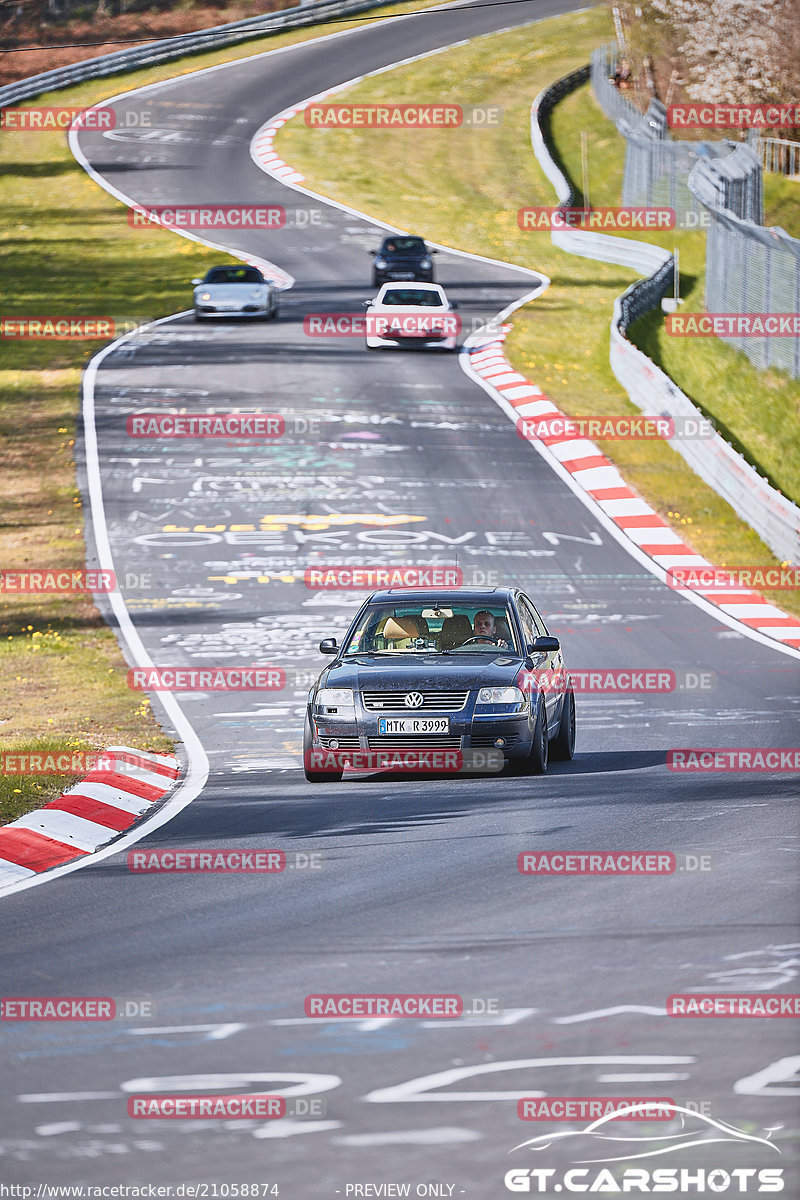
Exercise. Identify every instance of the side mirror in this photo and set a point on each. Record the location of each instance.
(366, 303)
(433, 252)
(328, 646)
(544, 645)
(196, 282)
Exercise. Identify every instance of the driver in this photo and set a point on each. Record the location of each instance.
(484, 625)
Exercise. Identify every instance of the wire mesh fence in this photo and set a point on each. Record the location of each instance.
(750, 269)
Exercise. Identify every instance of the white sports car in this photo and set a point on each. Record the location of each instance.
(411, 314)
(234, 292)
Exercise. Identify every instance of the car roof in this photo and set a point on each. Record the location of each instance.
(459, 595)
(416, 285)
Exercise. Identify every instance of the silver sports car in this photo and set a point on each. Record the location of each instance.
(234, 292)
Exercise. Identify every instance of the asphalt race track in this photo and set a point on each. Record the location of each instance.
(390, 457)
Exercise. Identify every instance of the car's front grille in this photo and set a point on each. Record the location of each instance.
(431, 701)
(343, 743)
(488, 739)
(415, 741)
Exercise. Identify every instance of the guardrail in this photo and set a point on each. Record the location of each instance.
(175, 47)
(779, 156)
(774, 518)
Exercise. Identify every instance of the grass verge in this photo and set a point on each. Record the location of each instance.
(464, 189)
(67, 249)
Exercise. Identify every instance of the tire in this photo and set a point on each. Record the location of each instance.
(316, 776)
(562, 747)
(376, 281)
(534, 763)
(274, 313)
(197, 316)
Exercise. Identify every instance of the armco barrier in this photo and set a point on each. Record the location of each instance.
(771, 515)
(189, 43)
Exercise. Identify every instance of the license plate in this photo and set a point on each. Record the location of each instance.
(400, 274)
(413, 725)
(228, 307)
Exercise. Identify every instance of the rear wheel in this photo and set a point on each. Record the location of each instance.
(534, 763)
(562, 747)
(314, 776)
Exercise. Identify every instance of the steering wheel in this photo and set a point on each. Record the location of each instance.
(481, 637)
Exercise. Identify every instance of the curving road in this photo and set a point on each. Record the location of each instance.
(406, 460)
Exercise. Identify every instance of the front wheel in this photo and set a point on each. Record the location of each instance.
(534, 763)
(562, 746)
(314, 776)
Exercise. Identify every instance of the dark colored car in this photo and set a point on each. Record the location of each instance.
(457, 668)
(402, 257)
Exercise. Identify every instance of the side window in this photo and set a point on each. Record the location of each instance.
(532, 616)
(528, 623)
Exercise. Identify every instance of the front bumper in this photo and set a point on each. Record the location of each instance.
(468, 730)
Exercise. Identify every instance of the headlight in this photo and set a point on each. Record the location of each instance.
(205, 296)
(425, 263)
(334, 700)
(500, 695)
(380, 263)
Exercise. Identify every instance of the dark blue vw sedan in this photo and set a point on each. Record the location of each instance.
(431, 671)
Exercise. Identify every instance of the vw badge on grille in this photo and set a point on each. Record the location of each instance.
(413, 700)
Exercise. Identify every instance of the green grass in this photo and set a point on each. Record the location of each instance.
(464, 189)
(67, 249)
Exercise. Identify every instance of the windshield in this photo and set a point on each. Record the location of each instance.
(234, 275)
(413, 297)
(403, 245)
(425, 628)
